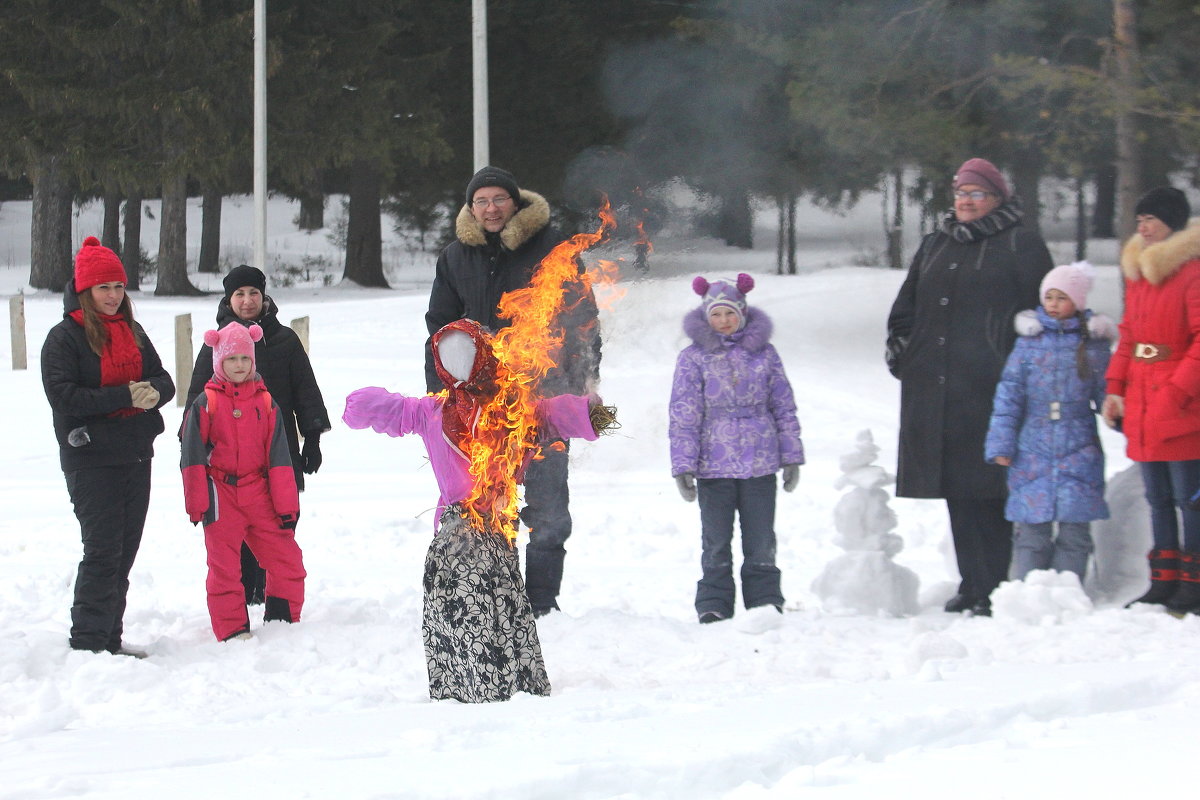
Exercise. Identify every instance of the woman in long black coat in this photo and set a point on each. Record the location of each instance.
(949, 333)
(288, 375)
(105, 383)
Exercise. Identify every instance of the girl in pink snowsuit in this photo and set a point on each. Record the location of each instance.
(238, 480)
(480, 640)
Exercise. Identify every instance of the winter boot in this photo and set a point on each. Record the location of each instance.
(1186, 599)
(277, 610)
(254, 577)
(1164, 577)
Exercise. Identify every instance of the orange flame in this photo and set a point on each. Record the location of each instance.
(505, 437)
(642, 238)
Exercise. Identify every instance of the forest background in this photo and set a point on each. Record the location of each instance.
(743, 101)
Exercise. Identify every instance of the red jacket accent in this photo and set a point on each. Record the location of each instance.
(240, 439)
(1162, 308)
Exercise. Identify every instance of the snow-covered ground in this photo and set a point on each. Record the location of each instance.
(1060, 694)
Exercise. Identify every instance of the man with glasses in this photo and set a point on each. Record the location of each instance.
(949, 333)
(502, 233)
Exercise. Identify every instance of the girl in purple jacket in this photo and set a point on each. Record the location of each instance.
(732, 427)
(481, 644)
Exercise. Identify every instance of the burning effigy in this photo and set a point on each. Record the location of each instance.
(481, 433)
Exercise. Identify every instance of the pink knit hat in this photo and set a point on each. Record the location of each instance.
(727, 293)
(1073, 280)
(982, 172)
(234, 339)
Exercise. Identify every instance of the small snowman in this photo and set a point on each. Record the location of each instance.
(865, 579)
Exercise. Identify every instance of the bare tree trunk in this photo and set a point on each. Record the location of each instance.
(131, 256)
(210, 232)
(895, 233)
(1081, 228)
(735, 220)
(781, 236)
(791, 234)
(172, 240)
(1129, 178)
(1104, 207)
(111, 236)
(1027, 176)
(364, 232)
(51, 263)
(312, 212)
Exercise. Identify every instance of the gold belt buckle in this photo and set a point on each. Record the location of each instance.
(1146, 351)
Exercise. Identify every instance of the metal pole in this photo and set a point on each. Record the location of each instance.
(260, 134)
(479, 72)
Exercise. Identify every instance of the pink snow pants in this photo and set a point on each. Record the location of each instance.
(245, 513)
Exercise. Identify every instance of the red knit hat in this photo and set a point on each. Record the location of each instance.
(96, 264)
(982, 172)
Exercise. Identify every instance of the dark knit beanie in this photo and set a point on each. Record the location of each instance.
(96, 264)
(1168, 204)
(244, 275)
(493, 176)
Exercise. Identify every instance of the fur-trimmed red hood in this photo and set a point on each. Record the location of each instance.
(531, 218)
(1161, 260)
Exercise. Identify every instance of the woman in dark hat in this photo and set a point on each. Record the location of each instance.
(288, 375)
(1154, 387)
(105, 384)
(949, 333)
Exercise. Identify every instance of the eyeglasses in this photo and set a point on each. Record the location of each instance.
(498, 202)
(975, 195)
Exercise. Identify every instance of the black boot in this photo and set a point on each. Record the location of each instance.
(277, 610)
(1186, 599)
(254, 577)
(1164, 577)
(960, 603)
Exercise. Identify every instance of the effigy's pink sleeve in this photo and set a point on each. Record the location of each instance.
(384, 411)
(565, 417)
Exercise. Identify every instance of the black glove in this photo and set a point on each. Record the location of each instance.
(288, 521)
(310, 454)
(896, 345)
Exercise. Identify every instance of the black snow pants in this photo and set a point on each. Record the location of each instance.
(110, 504)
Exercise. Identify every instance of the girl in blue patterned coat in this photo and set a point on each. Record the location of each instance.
(732, 427)
(1043, 425)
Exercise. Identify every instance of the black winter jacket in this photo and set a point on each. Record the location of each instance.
(71, 379)
(476, 269)
(285, 369)
(949, 333)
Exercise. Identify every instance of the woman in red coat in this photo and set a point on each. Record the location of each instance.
(1154, 387)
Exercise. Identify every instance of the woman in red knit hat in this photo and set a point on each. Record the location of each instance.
(105, 383)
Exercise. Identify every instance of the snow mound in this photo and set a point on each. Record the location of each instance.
(1045, 597)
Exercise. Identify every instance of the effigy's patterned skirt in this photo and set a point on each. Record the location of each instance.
(481, 643)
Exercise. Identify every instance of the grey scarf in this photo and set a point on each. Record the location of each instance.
(1004, 216)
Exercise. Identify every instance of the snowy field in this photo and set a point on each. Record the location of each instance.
(1061, 694)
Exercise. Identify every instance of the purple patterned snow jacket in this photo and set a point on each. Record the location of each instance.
(732, 413)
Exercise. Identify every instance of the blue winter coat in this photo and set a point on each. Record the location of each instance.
(1044, 419)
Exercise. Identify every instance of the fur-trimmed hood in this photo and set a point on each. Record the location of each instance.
(1035, 320)
(1161, 260)
(754, 336)
(533, 215)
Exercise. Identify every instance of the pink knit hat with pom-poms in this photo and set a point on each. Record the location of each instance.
(234, 339)
(724, 292)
